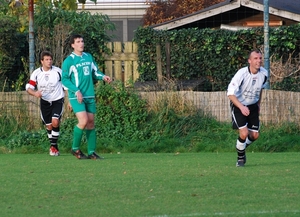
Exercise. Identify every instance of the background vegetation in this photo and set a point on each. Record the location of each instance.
(204, 54)
(53, 23)
(216, 55)
(126, 123)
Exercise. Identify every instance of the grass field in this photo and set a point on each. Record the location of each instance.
(150, 185)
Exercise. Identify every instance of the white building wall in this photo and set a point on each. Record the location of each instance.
(126, 14)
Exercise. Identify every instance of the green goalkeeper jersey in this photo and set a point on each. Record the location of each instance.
(79, 73)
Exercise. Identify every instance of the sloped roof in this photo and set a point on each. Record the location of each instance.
(285, 5)
(283, 8)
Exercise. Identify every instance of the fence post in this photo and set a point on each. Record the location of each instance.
(108, 70)
(117, 66)
(158, 64)
(168, 61)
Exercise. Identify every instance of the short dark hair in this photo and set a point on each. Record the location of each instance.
(45, 53)
(73, 37)
(255, 50)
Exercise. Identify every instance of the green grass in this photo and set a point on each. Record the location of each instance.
(153, 185)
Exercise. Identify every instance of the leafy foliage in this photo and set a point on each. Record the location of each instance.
(55, 25)
(211, 54)
(12, 49)
(120, 112)
(124, 122)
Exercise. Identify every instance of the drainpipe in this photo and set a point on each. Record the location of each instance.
(266, 41)
(31, 36)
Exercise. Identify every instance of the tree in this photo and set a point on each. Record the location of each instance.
(19, 9)
(164, 10)
(54, 25)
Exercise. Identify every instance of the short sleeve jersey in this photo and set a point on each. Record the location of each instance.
(247, 86)
(48, 82)
(78, 73)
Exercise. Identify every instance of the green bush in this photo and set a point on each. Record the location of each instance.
(120, 112)
(125, 123)
(214, 55)
(54, 25)
(12, 50)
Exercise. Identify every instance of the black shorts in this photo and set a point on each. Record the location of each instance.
(251, 121)
(51, 110)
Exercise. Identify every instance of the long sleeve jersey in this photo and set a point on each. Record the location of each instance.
(78, 74)
(247, 86)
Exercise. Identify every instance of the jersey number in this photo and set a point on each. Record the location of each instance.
(86, 70)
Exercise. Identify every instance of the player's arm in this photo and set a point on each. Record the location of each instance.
(67, 97)
(235, 101)
(233, 87)
(31, 87)
(97, 74)
(258, 102)
(263, 87)
(67, 69)
(244, 109)
(260, 95)
(32, 92)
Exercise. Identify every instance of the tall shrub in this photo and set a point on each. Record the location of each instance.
(214, 55)
(54, 25)
(10, 47)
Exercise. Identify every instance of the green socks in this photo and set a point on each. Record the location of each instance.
(91, 140)
(77, 136)
(90, 136)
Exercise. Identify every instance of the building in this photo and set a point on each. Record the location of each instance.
(236, 14)
(126, 14)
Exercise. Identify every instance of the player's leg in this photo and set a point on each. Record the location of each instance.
(241, 146)
(239, 121)
(81, 114)
(78, 133)
(90, 130)
(253, 125)
(46, 117)
(57, 111)
(91, 134)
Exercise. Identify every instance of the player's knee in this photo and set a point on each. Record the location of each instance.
(55, 123)
(243, 135)
(82, 123)
(90, 124)
(254, 136)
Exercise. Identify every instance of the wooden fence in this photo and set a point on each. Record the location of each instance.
(123, 63)
(276, 106)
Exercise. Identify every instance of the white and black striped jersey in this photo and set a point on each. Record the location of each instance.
(48, 82)
(247, 86)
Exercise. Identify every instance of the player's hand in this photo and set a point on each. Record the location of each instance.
(38, 94)
(79, 96)
(245, 110)
(70, 107)
(107, 79)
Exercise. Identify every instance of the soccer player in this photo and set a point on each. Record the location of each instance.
(45, 83)
(244, 92)
(79, 71)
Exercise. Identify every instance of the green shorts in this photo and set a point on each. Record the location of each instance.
(88, 105)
